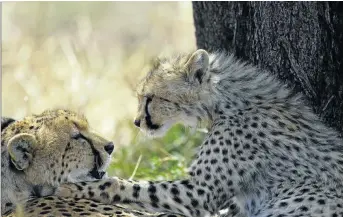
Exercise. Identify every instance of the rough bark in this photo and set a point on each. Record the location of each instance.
(301, 42)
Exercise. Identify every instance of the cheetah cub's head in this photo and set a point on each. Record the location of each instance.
(171, 93)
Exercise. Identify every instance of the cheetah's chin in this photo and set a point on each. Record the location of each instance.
(90, 177)
(87, 177)
(160, 132)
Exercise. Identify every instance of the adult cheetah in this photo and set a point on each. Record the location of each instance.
(40, 152)
(266, 153)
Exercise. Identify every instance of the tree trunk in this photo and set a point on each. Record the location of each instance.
(301, 42)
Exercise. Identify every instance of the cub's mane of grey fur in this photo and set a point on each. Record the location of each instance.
(240, 83)
(245, 81)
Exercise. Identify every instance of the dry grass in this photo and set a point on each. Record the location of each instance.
(86, 55)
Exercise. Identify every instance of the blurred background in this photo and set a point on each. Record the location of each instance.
(88, 56)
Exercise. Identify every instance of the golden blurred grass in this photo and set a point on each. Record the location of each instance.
(86, 56)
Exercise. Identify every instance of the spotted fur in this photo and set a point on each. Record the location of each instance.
(43, 151)
(266, 153)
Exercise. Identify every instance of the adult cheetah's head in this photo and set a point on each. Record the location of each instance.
(54, 147)
(170, 92)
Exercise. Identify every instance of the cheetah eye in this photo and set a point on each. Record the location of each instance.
(79, 136)
(76, 136)
(149, 97)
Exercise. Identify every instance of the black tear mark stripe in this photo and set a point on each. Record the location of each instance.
(97, 159)
(148, 116)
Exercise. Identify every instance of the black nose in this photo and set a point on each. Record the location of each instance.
(137, 122)
(109, 148)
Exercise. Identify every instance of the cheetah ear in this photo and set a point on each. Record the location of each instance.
(197, 65)
(20, 148)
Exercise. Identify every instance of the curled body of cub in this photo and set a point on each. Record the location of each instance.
(40, 152)
(266, 153)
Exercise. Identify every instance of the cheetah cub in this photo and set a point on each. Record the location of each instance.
(266, 153)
